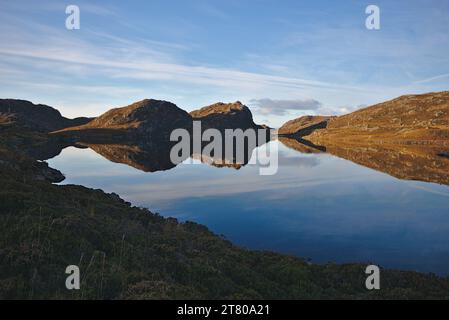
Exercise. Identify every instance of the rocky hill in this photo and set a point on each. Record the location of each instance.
(149, 120)
(422, 119)
(37, 117)
(225, 116)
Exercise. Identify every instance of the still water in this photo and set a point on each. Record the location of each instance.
(317, 206)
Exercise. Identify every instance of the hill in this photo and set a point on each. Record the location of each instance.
(225, 116)
(149, 120)
(36, 117)
(303, 126)
(419, 119)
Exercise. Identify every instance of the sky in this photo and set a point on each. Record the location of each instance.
(283, 59)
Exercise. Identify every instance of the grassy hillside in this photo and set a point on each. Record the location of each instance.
(421, 119)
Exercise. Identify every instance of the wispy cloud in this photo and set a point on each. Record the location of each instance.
(206, 7)
(434, 78)
(195, 54)
(94, 54)
(281, 107)
(146, 68)
(341, 110)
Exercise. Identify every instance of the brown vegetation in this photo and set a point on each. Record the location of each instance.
(410, 119)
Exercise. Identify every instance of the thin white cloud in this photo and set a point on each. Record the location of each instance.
(338, 111)
(143, 69)
(115, 57)
(432, 79)
(281, 107)
(113, 91)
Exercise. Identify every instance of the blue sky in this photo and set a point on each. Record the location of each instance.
(282, 58)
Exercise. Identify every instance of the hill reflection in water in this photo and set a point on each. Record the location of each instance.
(406, 162)
(318, 205)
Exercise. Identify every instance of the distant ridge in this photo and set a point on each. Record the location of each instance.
(37, 117)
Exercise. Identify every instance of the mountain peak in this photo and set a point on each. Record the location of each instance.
(220, 108)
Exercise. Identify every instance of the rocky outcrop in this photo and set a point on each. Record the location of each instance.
(36, 117)
(303, 126)
(150, 121)
(223, 116)
(24, 167)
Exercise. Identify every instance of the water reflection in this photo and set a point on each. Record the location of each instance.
(144, 157)
(317, 205)
(301, 145)
(407, 162)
